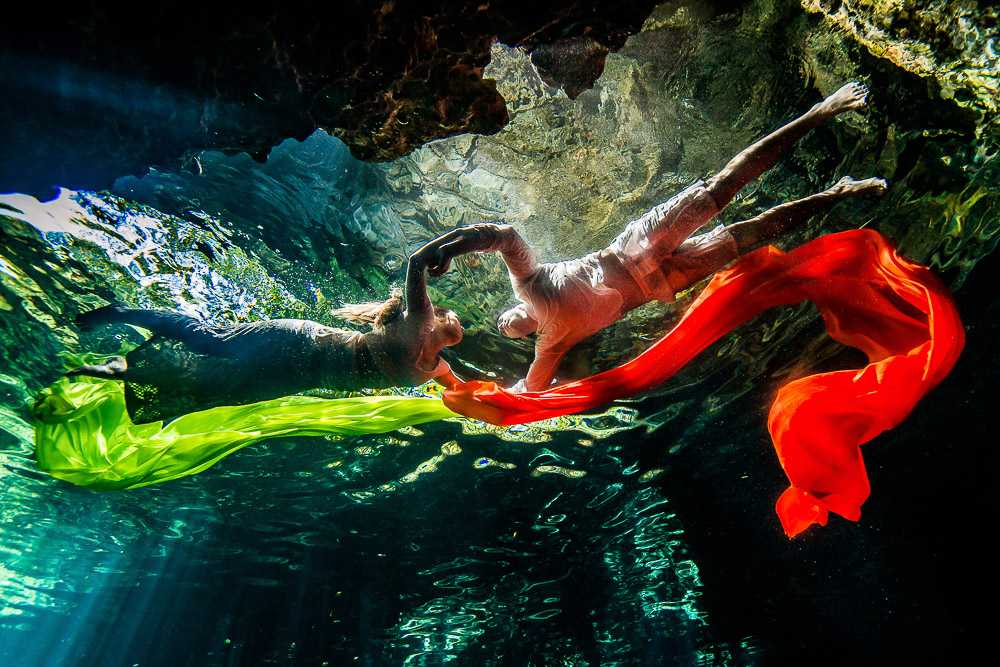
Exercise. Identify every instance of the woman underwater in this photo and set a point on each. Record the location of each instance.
(565, 302)
(188, 365)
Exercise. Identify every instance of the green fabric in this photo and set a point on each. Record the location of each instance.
(83, 433)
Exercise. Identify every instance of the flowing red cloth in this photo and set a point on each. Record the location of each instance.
(897, 312)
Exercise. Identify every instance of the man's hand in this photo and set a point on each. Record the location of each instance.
(438, 253)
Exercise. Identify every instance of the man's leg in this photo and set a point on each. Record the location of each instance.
(780, 219)
(701, 256)
(761, 156)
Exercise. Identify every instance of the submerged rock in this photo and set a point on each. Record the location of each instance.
(699, 82)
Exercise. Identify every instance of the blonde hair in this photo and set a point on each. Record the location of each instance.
(373, 313)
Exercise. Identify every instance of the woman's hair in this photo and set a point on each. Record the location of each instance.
(374, 313)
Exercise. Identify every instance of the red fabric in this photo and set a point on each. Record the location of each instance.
(897, 312)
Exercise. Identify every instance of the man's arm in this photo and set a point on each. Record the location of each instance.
(517, 254)
(543, 368)
(435, 257)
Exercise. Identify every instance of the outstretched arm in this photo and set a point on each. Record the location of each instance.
(543, 367)
(517, 254)
(435, 257)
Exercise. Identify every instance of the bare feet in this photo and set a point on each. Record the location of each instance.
(848, 186)
(849, 97)
(91, 319)
(113, 368)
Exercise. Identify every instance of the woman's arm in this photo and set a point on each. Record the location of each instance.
(448, 379)
(415, 291)
(435, 257)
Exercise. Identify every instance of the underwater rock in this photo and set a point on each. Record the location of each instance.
(310, 204)
(699, 82)
(935, 73)
(951, 43)
(96, 91)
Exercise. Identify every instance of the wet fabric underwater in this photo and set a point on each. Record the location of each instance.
(897, 312)
(83, 433)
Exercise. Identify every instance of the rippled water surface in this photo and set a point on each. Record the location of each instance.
(416, 546)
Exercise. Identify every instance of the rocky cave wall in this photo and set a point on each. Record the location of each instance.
(96, 91)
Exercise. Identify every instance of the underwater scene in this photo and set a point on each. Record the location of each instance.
(310, 416)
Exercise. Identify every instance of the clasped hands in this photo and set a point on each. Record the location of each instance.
(437, 254)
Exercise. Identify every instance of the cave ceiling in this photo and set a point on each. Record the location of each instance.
(96, 91)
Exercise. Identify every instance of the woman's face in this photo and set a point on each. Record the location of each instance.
(447, 329)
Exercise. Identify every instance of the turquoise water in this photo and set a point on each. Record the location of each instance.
(393, 537)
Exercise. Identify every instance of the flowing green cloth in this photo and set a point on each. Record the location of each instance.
(83, 433)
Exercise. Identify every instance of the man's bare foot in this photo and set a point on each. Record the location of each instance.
(849, 97)
(870, 186)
